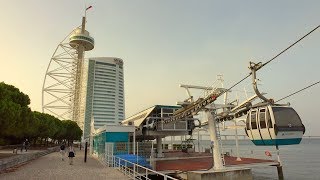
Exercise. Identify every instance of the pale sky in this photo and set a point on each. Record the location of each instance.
(168, 42)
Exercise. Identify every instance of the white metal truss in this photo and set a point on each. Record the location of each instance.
(59, 82)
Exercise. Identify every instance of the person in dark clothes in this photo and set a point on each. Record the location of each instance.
(23, 145)
(26, 143)
(71, 154)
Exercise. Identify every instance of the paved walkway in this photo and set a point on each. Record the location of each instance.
(52, 167)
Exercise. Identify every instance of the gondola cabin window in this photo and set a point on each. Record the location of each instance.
(268, 117)
(253, 120)
(262, 117)
(287, 117)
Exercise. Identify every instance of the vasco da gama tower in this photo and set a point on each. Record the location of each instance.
(81, 90)
(64, 86)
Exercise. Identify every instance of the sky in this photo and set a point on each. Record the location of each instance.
(170, 42)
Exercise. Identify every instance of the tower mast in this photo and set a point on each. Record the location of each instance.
(81, 41)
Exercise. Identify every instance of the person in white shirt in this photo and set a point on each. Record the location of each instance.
(62, 150)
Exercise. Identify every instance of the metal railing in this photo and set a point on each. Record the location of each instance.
(132, 170)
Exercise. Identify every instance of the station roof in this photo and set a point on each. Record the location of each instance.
(138, 118)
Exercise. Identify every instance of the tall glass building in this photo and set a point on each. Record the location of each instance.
(105, 93)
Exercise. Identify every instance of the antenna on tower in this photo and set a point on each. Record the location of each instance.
(87, 8)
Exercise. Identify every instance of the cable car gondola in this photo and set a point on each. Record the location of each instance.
(270, 124)
(274, 125)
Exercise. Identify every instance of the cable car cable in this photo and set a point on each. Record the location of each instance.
(289, 47)
(298, 91)
(273, 58)
(296, 42)
(209, 99)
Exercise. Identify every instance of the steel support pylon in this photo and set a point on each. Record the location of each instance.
(217, 160)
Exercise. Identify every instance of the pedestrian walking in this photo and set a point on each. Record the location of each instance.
(62, 151)
(23, 145)
(26, 145)
(71, 154)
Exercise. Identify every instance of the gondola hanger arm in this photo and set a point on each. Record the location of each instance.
(254, 67)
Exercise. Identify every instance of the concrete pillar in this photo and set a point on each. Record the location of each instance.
(91, 145)
(198, 140)
(134, 142)
(217, 161)
(159, 147)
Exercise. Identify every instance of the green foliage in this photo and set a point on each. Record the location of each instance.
(9, 116)
(11, 93)
(13, 111)
(73, 131)
(18, 122)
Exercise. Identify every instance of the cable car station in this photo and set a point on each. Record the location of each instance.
(266, 123)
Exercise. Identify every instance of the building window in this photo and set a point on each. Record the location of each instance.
(104, 85)
(103, 63)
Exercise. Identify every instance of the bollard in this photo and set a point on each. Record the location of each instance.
(85, 152)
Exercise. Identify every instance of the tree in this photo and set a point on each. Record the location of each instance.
(18, 122)
(13, 110)
(73, 131)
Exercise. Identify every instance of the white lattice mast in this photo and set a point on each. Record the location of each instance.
(62, 92)
(81, 41)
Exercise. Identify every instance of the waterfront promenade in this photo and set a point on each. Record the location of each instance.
(53, 168)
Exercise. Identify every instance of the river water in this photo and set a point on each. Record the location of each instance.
(300, 161)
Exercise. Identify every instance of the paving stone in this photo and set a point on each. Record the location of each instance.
(53, 168)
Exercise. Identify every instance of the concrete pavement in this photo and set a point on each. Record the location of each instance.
(53, 168)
